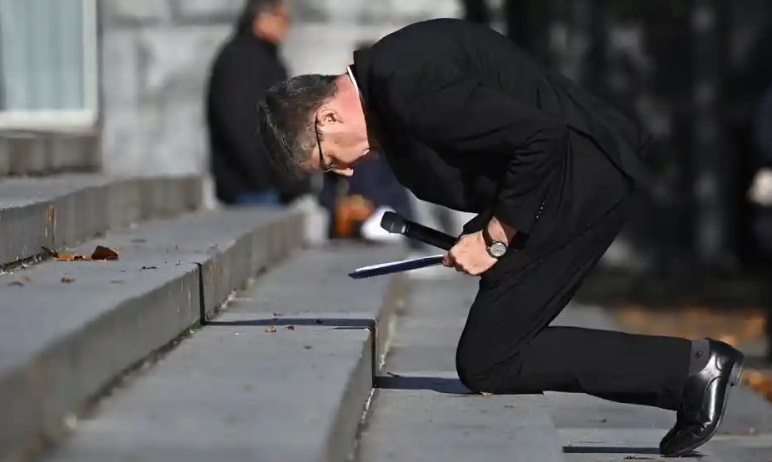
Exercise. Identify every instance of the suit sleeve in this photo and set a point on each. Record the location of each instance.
(451, 112)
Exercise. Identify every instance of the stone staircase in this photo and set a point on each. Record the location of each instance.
(154, 356)
(70, 329)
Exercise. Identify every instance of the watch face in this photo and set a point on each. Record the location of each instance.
(497, 249)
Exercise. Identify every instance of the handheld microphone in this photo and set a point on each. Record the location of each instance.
(394, 223)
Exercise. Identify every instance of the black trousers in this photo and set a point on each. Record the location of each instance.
(507, 345)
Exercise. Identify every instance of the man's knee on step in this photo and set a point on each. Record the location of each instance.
(495, 379)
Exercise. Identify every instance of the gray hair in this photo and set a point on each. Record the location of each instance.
(286, 123)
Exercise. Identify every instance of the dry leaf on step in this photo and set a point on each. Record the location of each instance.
(100, 253)
(104, 253)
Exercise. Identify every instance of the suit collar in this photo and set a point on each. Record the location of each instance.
(359, 72)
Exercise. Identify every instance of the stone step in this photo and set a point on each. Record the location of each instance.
(593, 429)
(431, 416)
(421, 412)
(70, 328)
(283, 374)
(65, 210)
(47, 152)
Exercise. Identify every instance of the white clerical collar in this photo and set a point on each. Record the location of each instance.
(353, 80)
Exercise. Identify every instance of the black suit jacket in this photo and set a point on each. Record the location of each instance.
(469, 121)
(243, 70)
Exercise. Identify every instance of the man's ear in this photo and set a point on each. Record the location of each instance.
(327, 116)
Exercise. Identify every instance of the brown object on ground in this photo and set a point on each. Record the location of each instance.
(759, 381)
(734, 327)
(350, 213)
(100, 253)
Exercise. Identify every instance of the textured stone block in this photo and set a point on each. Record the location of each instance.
(73, 152)
(135, 11)
(4, 157)
(121, 67)
(214, 10)
(175, 62)
(123, 142)
(28, 154)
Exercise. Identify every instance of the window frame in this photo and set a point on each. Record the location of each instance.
(68, 119)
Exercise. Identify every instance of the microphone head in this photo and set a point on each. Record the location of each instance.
(393, 223)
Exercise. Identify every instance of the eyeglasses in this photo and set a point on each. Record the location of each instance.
(324, 168)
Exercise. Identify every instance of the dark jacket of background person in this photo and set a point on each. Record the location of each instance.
(469, 121)
(243, 70)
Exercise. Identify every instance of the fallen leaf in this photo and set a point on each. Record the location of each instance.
(104, 253)
(67, 280)
(100, 253)
(290, 327)
(62, 256)
(270, 329)
(149, 267)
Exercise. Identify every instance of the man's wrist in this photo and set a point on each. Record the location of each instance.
(499, 231)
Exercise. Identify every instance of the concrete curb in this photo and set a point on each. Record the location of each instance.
(287, 394)
(112, 315)
(65, 210)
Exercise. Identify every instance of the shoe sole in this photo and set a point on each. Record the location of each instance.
(734, 379)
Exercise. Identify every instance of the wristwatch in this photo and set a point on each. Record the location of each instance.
(496, 249)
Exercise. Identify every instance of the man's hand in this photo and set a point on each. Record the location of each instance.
(469, 255)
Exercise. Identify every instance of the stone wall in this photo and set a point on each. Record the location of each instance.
(156, 54)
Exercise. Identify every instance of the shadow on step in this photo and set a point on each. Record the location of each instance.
(617, 450)
(438, 384)
(341, 323)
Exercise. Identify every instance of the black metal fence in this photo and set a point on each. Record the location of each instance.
(692, 72)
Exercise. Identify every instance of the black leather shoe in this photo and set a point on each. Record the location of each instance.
(704, 401)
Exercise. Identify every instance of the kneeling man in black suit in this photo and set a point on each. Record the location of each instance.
(468, 121)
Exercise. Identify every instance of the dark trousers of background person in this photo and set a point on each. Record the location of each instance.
(507, 345)
(375, 181)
